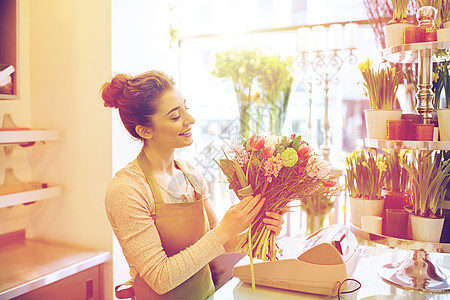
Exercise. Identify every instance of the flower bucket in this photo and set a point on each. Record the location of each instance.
(444, 124)
(376, 120)
(426, 229)
(365, 207)
(393, 33)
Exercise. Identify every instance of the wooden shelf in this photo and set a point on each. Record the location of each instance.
(14, 137)
(30, 196)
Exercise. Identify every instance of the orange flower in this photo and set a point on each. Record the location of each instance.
(256, 142)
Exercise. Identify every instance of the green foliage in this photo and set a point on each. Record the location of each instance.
(441, 81)
(365, 174)
(396, 178)
(429, 174)
(399, 11)
(381, 85)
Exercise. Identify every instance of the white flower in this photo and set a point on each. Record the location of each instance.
(317, 167)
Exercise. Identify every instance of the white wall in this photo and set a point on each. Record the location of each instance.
(65, 57)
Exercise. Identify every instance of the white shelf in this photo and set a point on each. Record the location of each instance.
(30, 196)
(417, 145)
(13, 137)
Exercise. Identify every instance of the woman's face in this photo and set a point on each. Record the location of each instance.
(172, 123)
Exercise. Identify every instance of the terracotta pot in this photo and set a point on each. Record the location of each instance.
(426, 229)
(376, 121)
(414, 34)
(365, 207)
(423, 132)
(398, 129)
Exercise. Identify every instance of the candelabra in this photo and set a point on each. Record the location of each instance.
(325, 64)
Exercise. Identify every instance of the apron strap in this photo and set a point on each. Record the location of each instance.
(191, 178)
(148, 172)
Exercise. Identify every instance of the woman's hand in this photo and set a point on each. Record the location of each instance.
(275, 220)
(238, 217)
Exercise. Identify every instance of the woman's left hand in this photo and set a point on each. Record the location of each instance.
(275, 221)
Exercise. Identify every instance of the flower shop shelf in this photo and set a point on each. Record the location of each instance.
(25, 137)
(417, 272)
(409, 53)
(30, 196)
(418, 145)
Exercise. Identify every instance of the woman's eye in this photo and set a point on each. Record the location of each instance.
(175, 118)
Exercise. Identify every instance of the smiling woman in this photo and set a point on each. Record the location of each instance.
(160, 208)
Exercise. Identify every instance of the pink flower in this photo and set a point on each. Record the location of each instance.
(292, 137)
(269, 150)
(317, 167)
(303, 150)
(332, 181)
(256, 142)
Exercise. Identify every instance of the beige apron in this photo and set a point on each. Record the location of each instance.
(179, 226)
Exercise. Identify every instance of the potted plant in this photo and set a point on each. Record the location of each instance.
(381, 88)
(428, 175)
(393, 31)
(364, 180)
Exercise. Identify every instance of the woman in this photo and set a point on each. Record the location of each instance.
(159, 208)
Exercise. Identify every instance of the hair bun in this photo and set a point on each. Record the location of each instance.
(113, 91)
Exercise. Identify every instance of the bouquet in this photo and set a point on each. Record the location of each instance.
(281, 169)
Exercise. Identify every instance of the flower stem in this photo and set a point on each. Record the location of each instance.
(250, 253)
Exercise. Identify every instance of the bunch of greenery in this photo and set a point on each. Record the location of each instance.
(275, 81)
(441, 81)
(429, 174)
(399, 11)
(396, 178)
(381, 85)
(364, 177)
(445, 11)
(253, 71)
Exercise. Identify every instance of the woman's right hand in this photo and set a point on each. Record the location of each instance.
(238, 217)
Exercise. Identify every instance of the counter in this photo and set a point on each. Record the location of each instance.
(372, 259)
(27, 265)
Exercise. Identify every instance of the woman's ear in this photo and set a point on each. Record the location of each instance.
(144, 132)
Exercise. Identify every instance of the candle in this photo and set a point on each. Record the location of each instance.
(350, 35)
(303, 34)
(335, 37)
(318, 35)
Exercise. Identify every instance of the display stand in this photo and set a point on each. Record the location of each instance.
(417, 272)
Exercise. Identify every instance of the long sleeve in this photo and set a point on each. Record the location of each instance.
(130, 205)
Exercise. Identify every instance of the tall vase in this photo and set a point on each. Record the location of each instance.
(314, 222)
(244, 101)
(277, 103)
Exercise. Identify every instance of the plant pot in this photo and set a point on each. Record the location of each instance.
(426, 229)
(444, 124)
(365, 207)
(414, 34)
(409, 209)
(397, 223)
(376, 121)
(443, 34)
(423, 132)
(406, 98)
(398, 129)
(393, 33)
